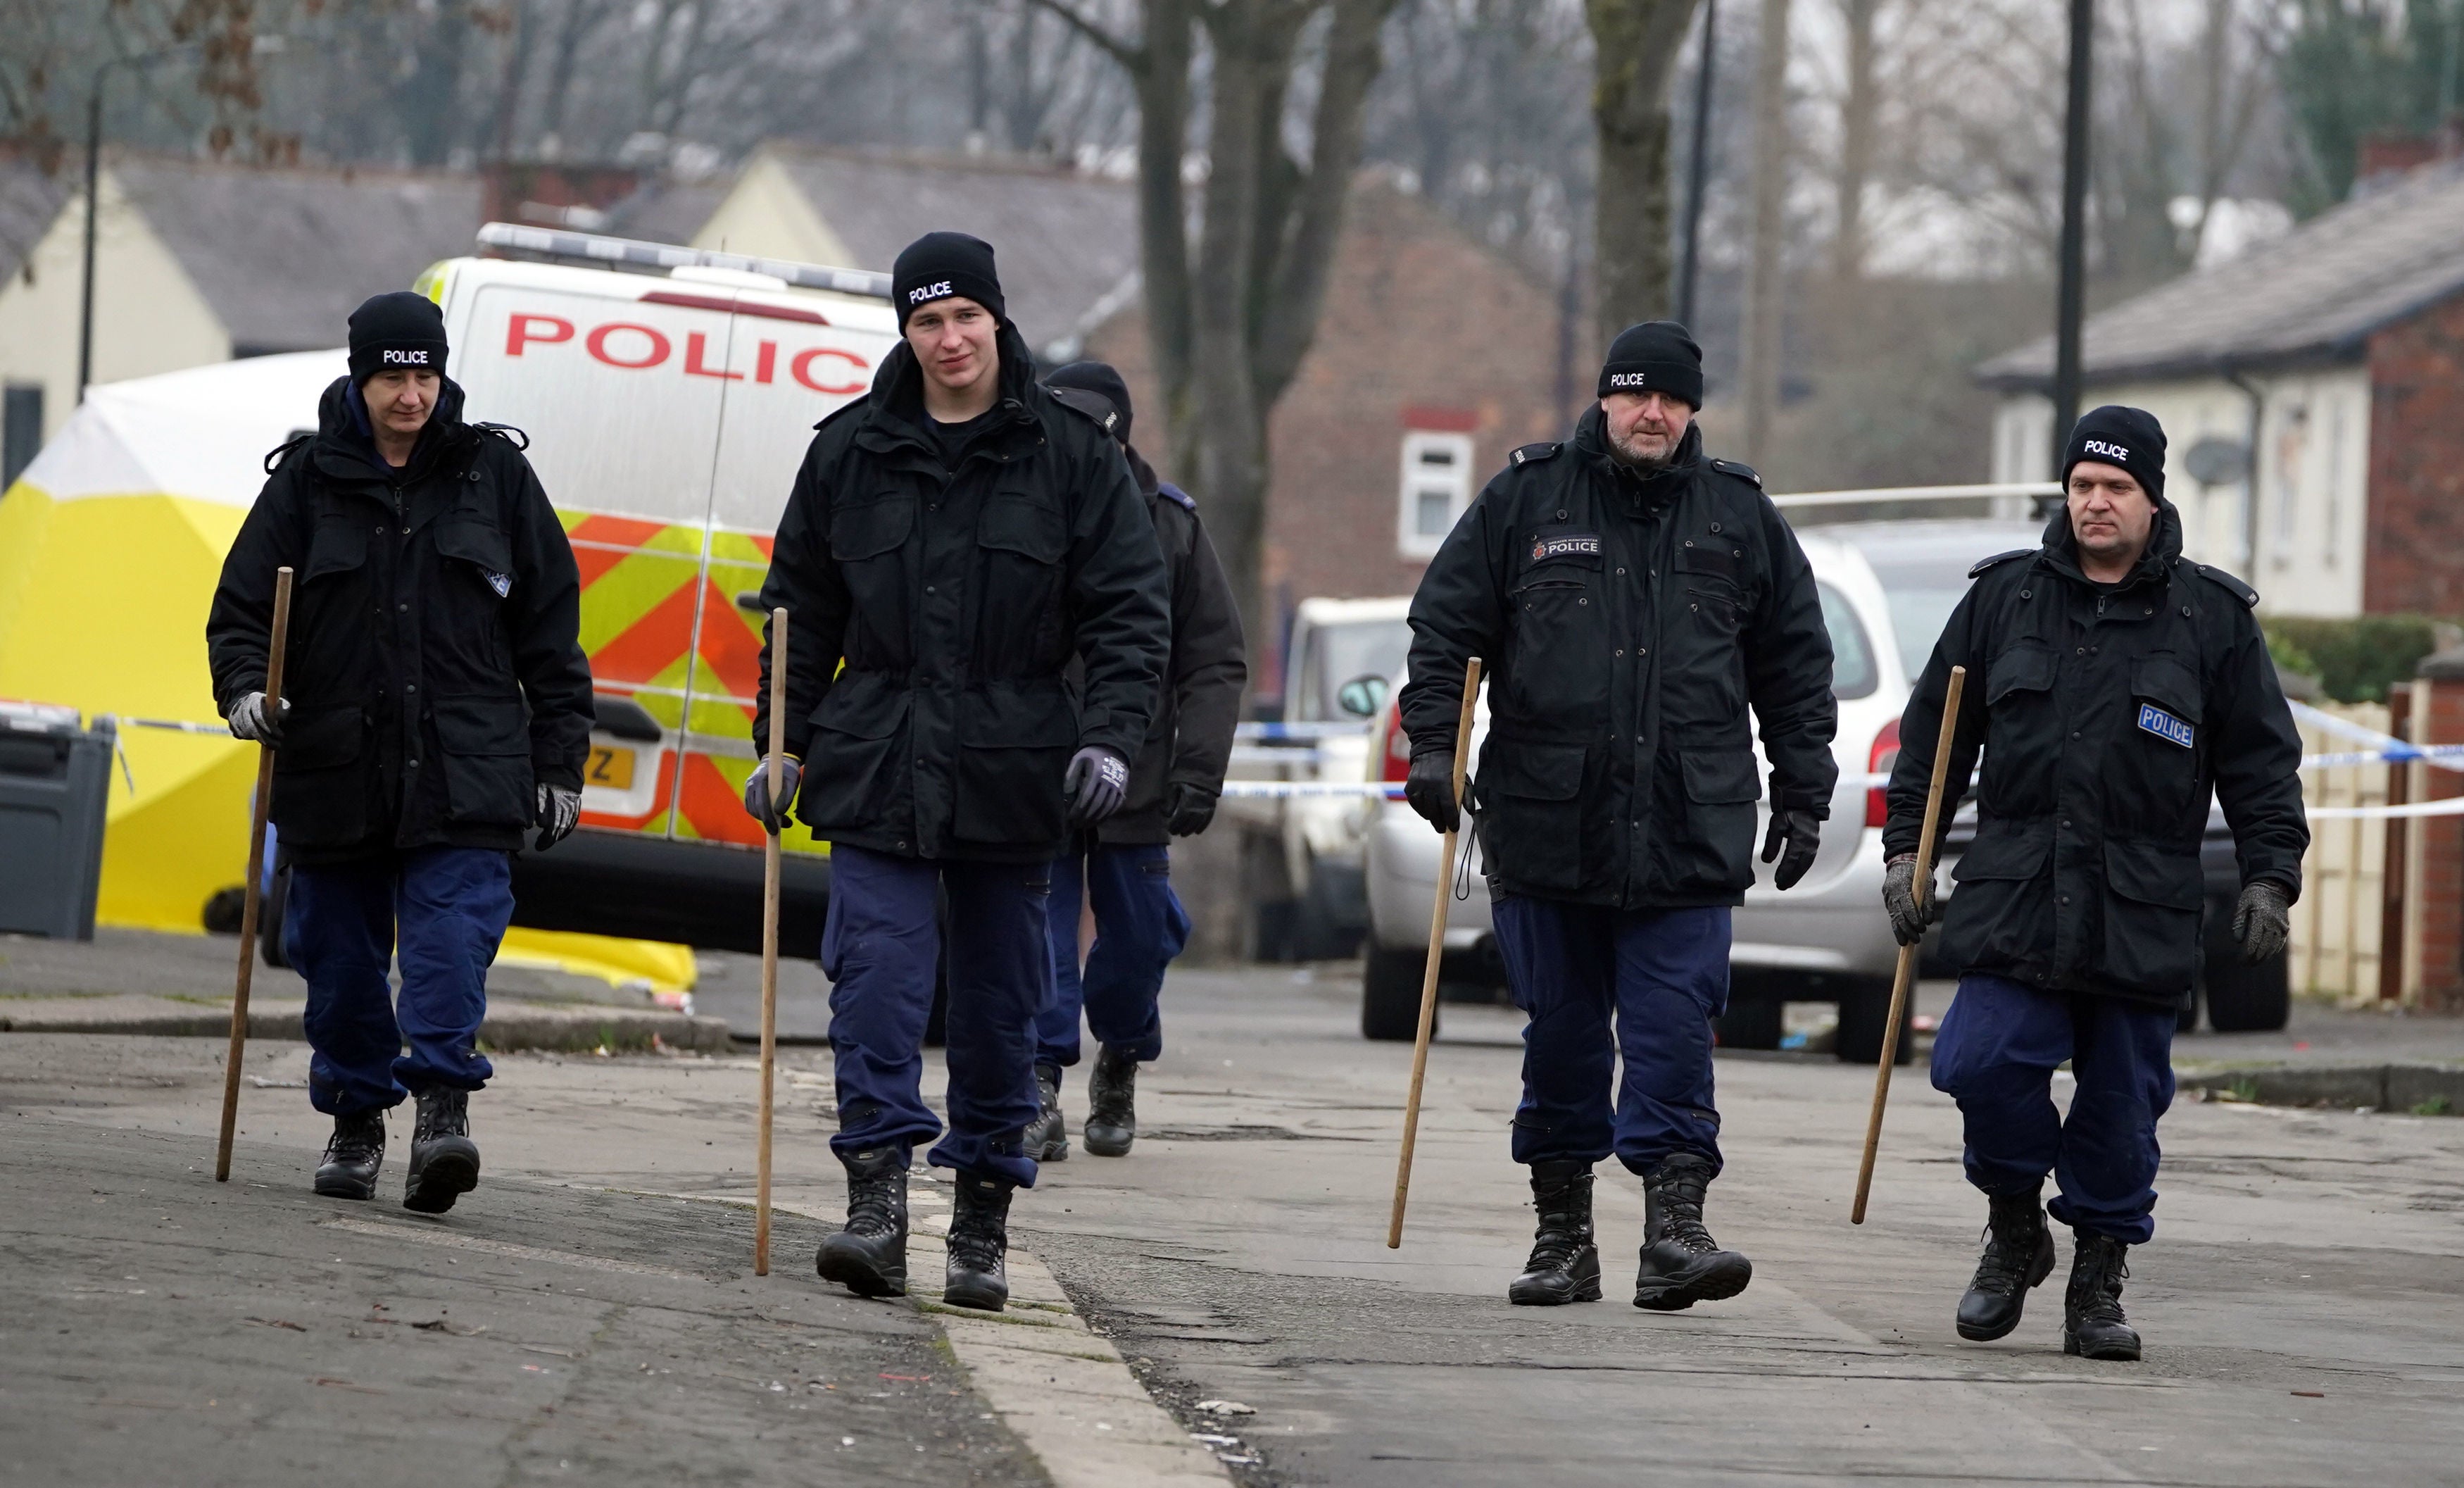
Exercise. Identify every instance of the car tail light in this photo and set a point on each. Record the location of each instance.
(1394, 748)
(1885, 754)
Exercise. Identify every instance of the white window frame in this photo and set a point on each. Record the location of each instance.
(1454, 484)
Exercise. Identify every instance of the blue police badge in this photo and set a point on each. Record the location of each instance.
(501, 582)
(2164, 725)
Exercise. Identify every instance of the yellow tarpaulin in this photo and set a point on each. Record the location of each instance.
(110, 543)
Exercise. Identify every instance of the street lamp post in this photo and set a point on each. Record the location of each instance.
(1698, 165)
(93, 191)
(2071, 304)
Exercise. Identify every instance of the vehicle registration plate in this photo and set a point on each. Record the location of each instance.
(609, 767)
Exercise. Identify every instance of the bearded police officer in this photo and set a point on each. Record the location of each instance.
(1630, 598)
(2112, 686)
(439, 705)
(1121, 867)
(953, 539)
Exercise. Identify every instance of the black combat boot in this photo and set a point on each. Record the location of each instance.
(2091, 1324)
(353, 1154)
(444, 1159)
(2018, 1254)
(1565, 1265)
(1112, 1104)
(868, 1257)
(1681, 1264)
(1048, 1137)
(978, 1240)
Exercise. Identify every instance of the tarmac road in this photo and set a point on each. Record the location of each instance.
(2303, 1303)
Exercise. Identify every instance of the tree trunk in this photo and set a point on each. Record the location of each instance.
(1635, 44)
(1860, 100)
(1764, 272)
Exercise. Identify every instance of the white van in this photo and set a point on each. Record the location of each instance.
(667, 395)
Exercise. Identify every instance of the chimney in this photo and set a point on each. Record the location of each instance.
(555, 194)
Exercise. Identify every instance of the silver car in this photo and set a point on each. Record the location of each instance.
(1886, 589)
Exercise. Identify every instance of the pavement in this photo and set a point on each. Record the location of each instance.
(1221, 1303)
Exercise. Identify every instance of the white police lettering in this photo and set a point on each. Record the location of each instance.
(2164, 725)
(1577, 545)
(394, 357)
(1629, 380)
(2100, 447)
(940, 291)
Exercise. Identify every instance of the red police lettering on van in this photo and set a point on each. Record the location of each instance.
(519, 332)
(697, 360)
(802, 369)
(598, 344)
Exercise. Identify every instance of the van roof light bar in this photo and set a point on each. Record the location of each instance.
(634, 254)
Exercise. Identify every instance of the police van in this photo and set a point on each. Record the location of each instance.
(667, 395)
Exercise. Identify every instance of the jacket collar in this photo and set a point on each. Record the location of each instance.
(346, 449)
(2164, 546)
(1643, 493)
(893, 418)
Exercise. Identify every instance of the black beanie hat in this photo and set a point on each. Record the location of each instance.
(400, 332)
(1100, 383)
(941, 265)
(1656, 356)
(2124, 436)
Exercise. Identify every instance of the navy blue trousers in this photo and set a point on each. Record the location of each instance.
(879, 947)
(442, 911)
(1996, 1055)
(1139, 928)
(1663, 976)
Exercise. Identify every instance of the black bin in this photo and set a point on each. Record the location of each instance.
(54, 786)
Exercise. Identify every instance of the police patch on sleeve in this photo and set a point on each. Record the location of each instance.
(2164, 725)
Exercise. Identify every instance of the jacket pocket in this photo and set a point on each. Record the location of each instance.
(1530, 816)
(340, 544)
(487, 745)
(2025, 730)
(852, 777)
(2152, 903)
(1715, 854)
(1558, 671)
(2156, 784)
(1014, 749)
(869, 529)
(2003, 914)
(1023, 541)
(479, 551)
(321, 787)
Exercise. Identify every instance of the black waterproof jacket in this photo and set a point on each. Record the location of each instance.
(2108, 716)
(434, 669)
(1625, 626)
(956, 599)
(1190, 742)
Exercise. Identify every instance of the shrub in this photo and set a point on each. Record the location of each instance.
(2355, 659)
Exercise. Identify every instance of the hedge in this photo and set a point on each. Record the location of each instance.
(2353, 659)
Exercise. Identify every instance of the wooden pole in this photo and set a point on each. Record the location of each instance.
(1905, 978)
(251, 893)
(770, 869)
(1429, 975)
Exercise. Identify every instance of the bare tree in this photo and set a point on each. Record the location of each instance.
(1231, 314)
(1635, 45)
(1765, 289)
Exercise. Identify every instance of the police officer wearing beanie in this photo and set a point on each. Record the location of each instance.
(2113, 687)
(439, 708)
(1122, 866)
(953, 540)
(1630, 598)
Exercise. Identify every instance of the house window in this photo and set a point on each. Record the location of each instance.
(21, 430)
(1437, 487)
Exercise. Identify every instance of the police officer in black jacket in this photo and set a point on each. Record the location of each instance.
(1123, 867)
(1630, 599)
(2113, 686)
(438, 706)
(953, 539)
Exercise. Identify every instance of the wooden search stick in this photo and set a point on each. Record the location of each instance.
(770, 871)
(1429, 976)
(1906, 976)
(251, 895)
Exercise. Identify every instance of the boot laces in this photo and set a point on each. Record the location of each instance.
(873, 1204)
(979, 1235)
(1562, 1233)
(1682, 1214)
(356, 1138)
(2009, 1242)
(2096, 1291)
(443, 1113)
(1111, 1091)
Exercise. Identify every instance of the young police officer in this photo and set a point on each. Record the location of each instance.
(2112, 685)
(1122, 864)
(1629, 598)
(439, 705)
(952, 538)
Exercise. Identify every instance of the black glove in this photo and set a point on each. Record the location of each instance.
(1900, 900)
(1802, 832)
(1098, 782)
(756, 791)
(2260, 921)
(1430, 789)
(1193, 808)
(250, 719)
(559, 809)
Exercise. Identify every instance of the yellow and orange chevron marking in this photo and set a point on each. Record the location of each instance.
(661, 625)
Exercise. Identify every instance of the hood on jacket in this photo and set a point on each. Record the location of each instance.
(342, 421)
(2163, 543)
(897, 395)
(1647, 489)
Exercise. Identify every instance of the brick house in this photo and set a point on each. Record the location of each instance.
(2336, 354)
